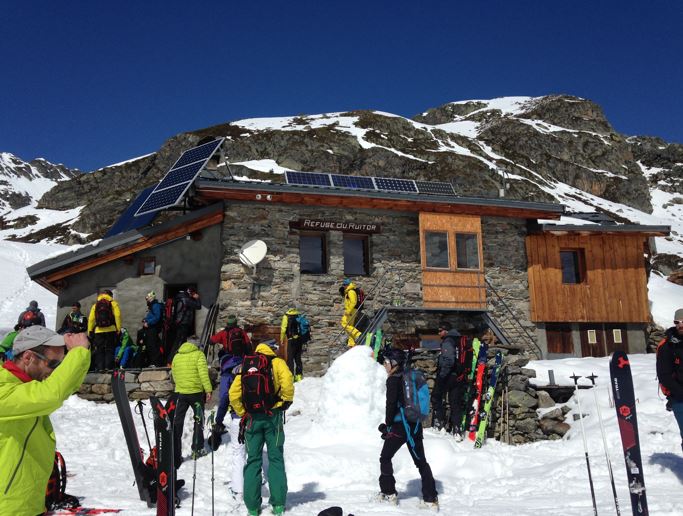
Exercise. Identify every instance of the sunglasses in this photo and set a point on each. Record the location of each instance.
(678, 322)
(52, 363)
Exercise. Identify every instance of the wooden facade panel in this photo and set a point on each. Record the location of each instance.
(614, 288)
(452, 287)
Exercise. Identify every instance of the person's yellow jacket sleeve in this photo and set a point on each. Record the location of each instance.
(235, 394)
(283, 380)
(203, 370)
(283, 328)
(117, 315)
(91, 319)
(36, 398)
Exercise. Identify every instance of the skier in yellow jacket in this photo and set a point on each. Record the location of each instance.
(348, 320)
(193, 388)
(104, 328)
(265, 428)
(34, 384)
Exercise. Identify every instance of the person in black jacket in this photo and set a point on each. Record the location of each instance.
(395, 435)
(31, 316)
(74, 321)
(670, 368)
(451, 379)
(184, 305)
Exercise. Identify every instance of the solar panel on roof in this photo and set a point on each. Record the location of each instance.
(172, 187)
(395, 185)
(307, 178)
(180, 175)
(128, 220)
(434, 188)
(201, 153)
(354, 182)
(163, 199)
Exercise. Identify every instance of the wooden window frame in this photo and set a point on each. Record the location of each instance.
(455, 240)
(325, 257)
(366, 252)
(580, 263)
(448, 250)
(142, 263)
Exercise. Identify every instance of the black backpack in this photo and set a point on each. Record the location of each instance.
(104, 313)
(258, 386)
(292, 331)
(236, 344)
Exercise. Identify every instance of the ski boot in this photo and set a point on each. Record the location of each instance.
(298, 377)
(430, 506)
(437, 424)
(253, 512)
(278, 509)
(387, 498)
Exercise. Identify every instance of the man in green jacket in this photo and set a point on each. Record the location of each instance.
(193, 388)
(32, 386)
(265, 428)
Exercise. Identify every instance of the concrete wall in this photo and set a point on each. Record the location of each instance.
(183, 261)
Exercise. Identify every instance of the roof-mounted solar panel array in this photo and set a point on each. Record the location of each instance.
(173, 186)
(381, 184)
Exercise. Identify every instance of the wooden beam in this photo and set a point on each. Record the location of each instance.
(405, 205)
(140, 245)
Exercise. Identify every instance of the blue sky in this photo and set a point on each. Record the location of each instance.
(92, 83)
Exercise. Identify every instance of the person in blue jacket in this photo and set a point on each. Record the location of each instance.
(152, 325)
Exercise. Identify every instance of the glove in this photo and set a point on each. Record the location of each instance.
(668, 405)
(286, 405)
(384, 430)
(243, 427)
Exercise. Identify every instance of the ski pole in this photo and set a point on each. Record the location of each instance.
(144, 425)
(211, 423)
(585, 443)
(198, 420)
(592, 378)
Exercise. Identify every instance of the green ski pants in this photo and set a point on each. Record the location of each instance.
(263, 429)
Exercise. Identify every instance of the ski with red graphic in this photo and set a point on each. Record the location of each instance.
(625, 404)
(475, 409)
(166, 473)
(83, 511)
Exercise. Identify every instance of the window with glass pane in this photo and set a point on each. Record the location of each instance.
(467, 251)
(312, 254)
(573, 265)
(356, 255)
(436, 249)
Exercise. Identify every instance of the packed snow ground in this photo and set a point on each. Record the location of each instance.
(332, 451)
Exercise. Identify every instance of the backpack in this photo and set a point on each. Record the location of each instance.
(236, 344)
(104, 313)
(415, 395)
(29, 318)
(258, 386)
(179, 310)
(360, 297)
(677, 362)
(304, 328)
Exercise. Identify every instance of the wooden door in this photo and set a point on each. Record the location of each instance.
(617, 338)
(592, 340)
(559, 337)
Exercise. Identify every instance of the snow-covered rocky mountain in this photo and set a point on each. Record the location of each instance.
(554, 148)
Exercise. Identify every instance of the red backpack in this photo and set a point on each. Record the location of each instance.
(55, 496)
(258, 387)
(360, 297)
(29, 318)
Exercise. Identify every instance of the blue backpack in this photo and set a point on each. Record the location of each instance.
(415, 395)
(304, 328)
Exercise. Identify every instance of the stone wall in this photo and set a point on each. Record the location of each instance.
(278, 284)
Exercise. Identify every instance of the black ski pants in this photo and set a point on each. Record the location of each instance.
(153, 347)
(182, 332)
(294, 350)
(183, 403)
(396, 438)
(454, 388)
(103, 346)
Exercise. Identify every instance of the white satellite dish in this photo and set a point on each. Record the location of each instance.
(253, 252)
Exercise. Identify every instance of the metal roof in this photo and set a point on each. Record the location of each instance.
(605, 228)
(116, 241)
(335, 191)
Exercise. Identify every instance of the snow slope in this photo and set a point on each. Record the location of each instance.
(332, 454)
